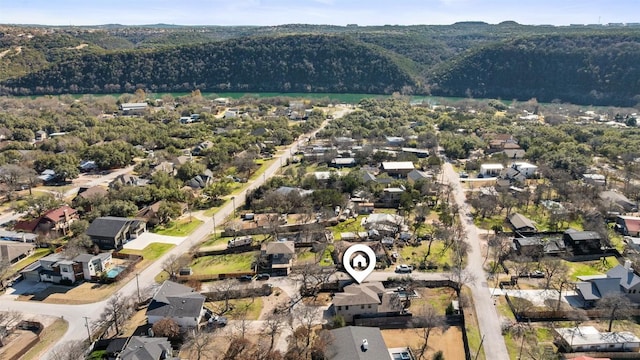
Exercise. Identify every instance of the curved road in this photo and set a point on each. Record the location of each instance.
(488, 318)
(78, 315)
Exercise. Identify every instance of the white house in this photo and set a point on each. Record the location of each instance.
(525, 168)
(589, 339)
(490, 170)
(93, 265)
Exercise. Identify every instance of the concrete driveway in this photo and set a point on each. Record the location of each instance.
(147, 238)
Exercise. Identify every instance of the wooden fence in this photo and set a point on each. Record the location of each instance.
(212, 277)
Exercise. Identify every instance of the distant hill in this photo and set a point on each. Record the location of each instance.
(582, 64)
(296, 63)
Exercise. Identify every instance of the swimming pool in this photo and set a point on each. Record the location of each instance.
(115, 271)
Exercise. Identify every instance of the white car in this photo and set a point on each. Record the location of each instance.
(404, 268)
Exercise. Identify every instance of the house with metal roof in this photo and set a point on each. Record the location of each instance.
(622, 279)
(628, 225)
(178, 302)
(589, 339)
(397, 168)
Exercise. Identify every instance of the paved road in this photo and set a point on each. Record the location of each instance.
(78, 315)
(488, 318)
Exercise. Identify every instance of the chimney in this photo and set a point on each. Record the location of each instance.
(627, 265)
(365, 345)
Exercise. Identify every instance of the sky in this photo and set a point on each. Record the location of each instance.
(334, 12)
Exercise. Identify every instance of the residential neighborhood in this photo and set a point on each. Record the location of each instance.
(201, 251)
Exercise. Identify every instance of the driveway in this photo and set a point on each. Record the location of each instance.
(147, 238)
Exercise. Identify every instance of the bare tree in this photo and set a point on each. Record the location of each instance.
(521, 265)
(272, 326)
(241, 314)
(313, 276)
(423, 324)
(172, 265)
(116, 312)
(8, 321)
(225, 287)
(306, 316)
(616, 306)
(70, 350)
(460, 277)
(199, 345)
(553, 269)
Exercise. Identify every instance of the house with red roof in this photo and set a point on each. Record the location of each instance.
(628, 225)
(55, 220)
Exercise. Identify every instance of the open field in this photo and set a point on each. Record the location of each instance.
(247, 309)
(449, 341)
(223, 264)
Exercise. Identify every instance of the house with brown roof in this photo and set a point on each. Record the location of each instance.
(367, 299)
(87, 196)
(55, 220)
(522, 224)
(279, 255)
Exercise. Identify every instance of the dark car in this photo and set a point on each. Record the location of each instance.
(245, 278)
(263, 277)
(217, 321)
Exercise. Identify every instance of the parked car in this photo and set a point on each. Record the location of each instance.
(263, 277)
(404, 268)
(245, 278)
(536, 274)
(217, 321)
(464, 175)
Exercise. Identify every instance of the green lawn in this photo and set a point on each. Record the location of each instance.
(178, 228)
(351, 225)
(413, 255)
(152, 252)
(264, 165)
(223, 264)
(307, 256)
(594, 267)
(253, 308)
(37, 254)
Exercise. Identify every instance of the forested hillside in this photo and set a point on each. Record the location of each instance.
(587, 65)
(289, 63)
(584, 69)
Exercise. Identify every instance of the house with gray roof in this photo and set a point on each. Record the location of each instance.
(622, 279)
(356, 343)
(111, 232)
(178, 302)
(279, 256)
(522, 224)
(147, 348)
(367, 299)
(14, 251)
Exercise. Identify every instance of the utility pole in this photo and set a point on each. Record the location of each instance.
(479, 347)
(86, 323)
(233, 200)
(214, 226)
(138, 287)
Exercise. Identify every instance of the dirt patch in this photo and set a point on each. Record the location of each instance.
(323, 299)
(449, 342)
(16, 342)
(84, 293)
(277, 300)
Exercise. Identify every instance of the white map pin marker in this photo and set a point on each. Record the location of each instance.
(359, 260)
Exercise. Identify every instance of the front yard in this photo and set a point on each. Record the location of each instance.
(415, 255)
(224, 264)
(182, 227)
